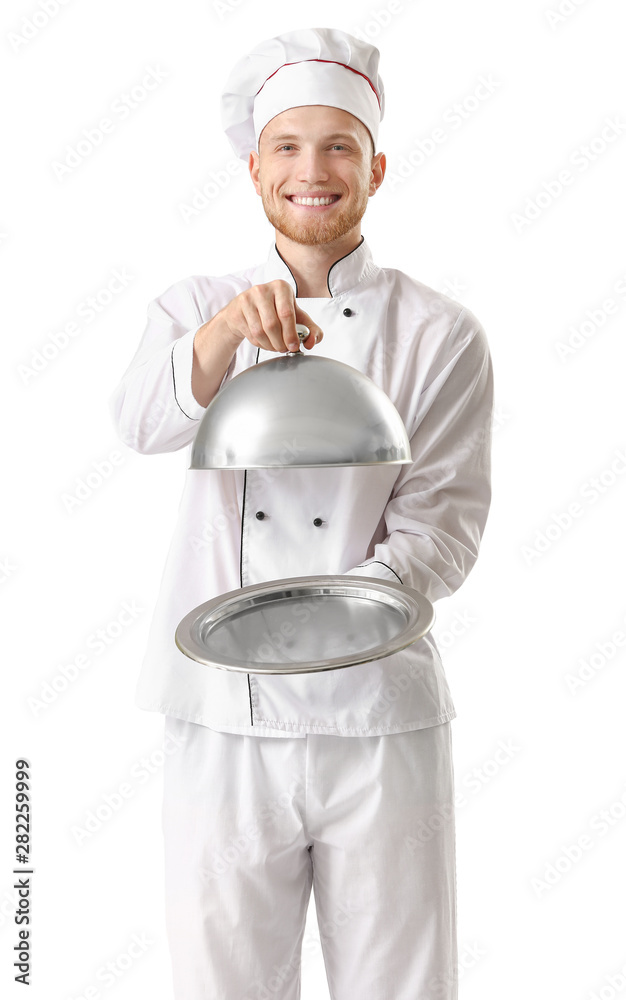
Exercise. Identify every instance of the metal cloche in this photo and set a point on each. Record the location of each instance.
(302, 412)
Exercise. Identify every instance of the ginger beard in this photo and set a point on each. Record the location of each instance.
(315, 229)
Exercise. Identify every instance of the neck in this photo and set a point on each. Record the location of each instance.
(310, 264)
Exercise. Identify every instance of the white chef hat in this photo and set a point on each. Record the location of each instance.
(309, 66)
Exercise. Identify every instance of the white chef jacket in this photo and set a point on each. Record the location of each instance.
(419, 524)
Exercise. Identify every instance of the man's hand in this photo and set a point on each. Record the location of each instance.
(266, 315)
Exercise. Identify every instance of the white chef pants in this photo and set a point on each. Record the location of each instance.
(251, 823)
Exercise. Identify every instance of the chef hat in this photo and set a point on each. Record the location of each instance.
(309, 66)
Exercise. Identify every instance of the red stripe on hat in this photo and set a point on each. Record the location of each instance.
(336, 63)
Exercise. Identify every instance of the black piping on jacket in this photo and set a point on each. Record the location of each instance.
(243, 512)
(329, 269)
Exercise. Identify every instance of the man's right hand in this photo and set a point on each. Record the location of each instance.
(266, 315)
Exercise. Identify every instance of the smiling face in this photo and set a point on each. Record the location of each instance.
(315, 172)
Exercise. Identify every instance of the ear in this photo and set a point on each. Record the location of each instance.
(253, 167)
(379, 166)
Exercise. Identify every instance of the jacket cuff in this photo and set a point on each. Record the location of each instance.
(182, 364)
(378, 570)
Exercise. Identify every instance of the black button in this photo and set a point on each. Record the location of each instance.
(260, 515)
(317, 522)
(347, 312)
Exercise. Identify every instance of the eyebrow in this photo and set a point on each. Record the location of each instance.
(327, 138)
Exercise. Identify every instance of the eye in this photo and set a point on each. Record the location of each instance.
(338, 145)
(286, 146)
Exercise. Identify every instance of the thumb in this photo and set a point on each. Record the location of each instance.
(316, 334)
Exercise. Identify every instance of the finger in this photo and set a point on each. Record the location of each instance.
(273, 324)
(316, 333)
(252, 325)
(285, 308)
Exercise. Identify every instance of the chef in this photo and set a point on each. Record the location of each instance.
(340, 781)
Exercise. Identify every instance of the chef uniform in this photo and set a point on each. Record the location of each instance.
(340, 780)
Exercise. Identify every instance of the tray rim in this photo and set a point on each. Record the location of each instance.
(421, 617)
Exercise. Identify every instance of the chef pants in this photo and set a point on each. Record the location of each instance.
(252, 823)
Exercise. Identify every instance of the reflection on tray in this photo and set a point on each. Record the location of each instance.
(302, 630)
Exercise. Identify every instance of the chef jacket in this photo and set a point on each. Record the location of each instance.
(419, 524)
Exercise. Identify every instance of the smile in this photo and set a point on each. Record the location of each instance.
(313, 202)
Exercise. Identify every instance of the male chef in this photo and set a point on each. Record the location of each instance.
(339, 781)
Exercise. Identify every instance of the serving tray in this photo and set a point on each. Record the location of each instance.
(305, 624)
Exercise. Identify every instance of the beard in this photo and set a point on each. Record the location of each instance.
(316, 230)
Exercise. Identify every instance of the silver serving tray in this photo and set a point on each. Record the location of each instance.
(305, 624)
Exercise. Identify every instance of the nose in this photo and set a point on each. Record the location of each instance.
(312, 165)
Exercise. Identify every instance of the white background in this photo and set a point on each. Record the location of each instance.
(537, 916)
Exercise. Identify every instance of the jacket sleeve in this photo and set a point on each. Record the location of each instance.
(438, 508)
(153, 407)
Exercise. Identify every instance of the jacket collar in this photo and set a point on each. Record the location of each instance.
(344, 275)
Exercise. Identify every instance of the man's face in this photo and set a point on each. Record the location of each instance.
(315, 152)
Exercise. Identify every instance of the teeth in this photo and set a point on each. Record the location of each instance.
(312, 201)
